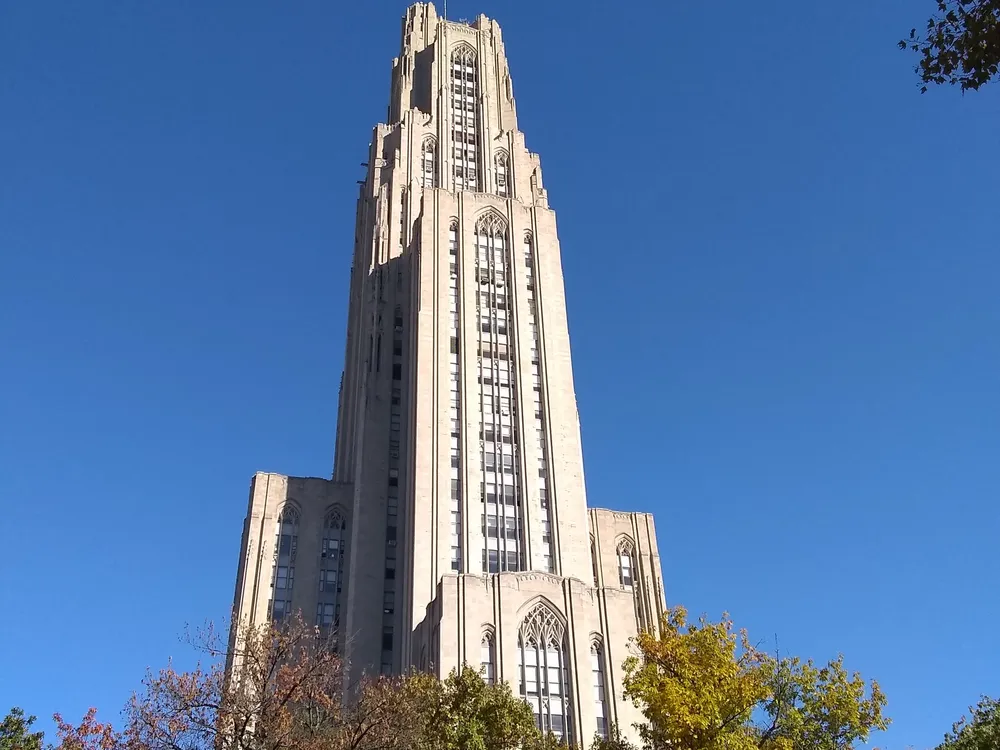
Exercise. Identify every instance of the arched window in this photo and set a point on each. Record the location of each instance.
(283, 577)
(600, 690)
(487, 657)
(626, 558)
(544, 673)
(594, 561)
(501, 170)
(331, 571)
(465, 140)
(428, 163)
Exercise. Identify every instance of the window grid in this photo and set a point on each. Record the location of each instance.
(392, 493)
(600, 691)
(501, 174)
(543, 671)
(428, 163)
(455, 405)
(487, 657)
(548, 564)
(502, 483)
(331, 574)
(626, 568)
(463, 119)
(282, 574)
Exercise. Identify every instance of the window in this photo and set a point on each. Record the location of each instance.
(500, 170)
(593, 561)
(487, 658)
(331, 565)
(328, 580)
(544, 673)
(626, 569)
(464, 71)
(600, 692)
(428, 162)
(283, 580)
(397, 371)
(280, 609)
(325, 614)
(286, 546)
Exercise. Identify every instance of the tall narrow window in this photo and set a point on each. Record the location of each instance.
(594, 561)
(626, 567)
(428, 162)
(488, 658)
(455, 400)
(542, 482)
(600, 691)
(464, 105)
(503, 481)
(501, 169)
(331, 572)
(544, 674)
(283, 574)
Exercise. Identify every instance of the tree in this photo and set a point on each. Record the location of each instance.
(462, 712)
(706, 687)
(982, 732)
(614, 741)
(281, 688)
(284, 691)
(961, 45)
(15, 732)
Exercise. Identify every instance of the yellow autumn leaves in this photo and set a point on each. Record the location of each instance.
(705, 686)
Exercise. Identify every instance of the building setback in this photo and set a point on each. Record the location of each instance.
(455, 528)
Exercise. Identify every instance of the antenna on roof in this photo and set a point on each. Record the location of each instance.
(445, 16)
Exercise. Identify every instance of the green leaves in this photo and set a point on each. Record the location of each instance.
(702, 686)
(980, 732)
(462, 712)
(15, 732)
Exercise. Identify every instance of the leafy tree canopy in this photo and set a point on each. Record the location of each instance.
(960, 45)
(980, 732)
(704, 686)
(16, 734)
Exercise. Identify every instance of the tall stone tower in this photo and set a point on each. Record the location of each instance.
(455, 529)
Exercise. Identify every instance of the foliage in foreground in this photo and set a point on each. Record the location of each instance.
(289, 694)
(961, 44)
(706, 687)
(16, 734)
(980, 732)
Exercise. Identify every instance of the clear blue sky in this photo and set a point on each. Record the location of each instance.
(781, 265)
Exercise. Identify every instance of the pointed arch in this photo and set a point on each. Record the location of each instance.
(464, 74)
(286, 545)
(625, 550)
(595, 561)
(599, 682)
(429, 162)
(463, 54)
(501, 173)
(491, 223)
(331, 570)
(543, 665)
(488, 655)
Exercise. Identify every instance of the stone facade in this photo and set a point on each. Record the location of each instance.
(455, 528)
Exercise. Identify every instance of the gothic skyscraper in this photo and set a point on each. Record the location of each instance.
(455, 529)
